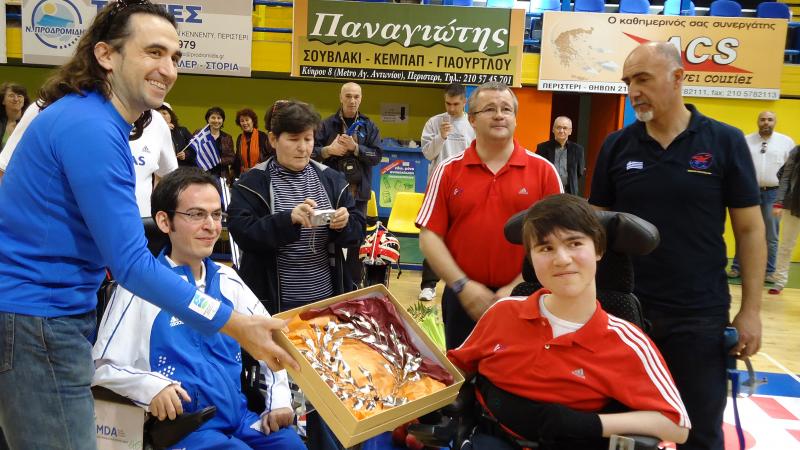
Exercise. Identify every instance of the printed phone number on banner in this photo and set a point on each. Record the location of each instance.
(403, 75)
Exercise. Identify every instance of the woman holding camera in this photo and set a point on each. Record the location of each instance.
(292, 217)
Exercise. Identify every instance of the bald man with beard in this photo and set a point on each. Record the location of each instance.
(682, 171)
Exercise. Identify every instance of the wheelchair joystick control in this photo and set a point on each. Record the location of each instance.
(730, 338)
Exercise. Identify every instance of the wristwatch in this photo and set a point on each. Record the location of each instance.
(459, 284)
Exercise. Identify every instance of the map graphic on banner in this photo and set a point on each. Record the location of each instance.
(406, 43)
(215, 36)
(722, 57)
(3, 51)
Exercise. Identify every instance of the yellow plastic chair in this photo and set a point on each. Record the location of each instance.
(405, 208)
(372, 212)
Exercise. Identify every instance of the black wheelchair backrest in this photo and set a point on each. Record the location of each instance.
(156, 239)
(627, 236)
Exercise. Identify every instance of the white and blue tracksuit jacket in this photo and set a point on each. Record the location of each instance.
(141, 349)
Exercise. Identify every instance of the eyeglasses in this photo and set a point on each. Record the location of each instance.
(563, 128)
(763, 147)
(199, 215)
(114, 9)
(505, 111)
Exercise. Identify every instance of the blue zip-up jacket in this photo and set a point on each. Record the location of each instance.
(69, 211)
(141, 349)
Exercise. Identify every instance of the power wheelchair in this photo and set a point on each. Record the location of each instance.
(156, 434)
(467, 423)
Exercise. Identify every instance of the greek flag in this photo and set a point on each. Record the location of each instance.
(634, 165)
(203, 145)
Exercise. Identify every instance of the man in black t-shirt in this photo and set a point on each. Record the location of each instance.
(681, 170)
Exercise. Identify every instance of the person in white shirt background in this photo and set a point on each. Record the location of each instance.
(152, 151)
(444, 135)
(769, 150)
(153, 158)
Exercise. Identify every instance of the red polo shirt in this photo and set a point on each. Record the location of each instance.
(608, 358)
(468, 205)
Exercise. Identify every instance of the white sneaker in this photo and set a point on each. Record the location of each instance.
(427, 294)
(770, 278)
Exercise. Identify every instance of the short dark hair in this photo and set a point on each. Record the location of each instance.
(247, 112)
(291, 116)
(566, 212)
(83, 73)
(17, 89)
(215, 110)
(166, 193)
(172, 116)
(455, 90)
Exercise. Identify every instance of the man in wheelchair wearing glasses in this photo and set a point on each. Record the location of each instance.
(554, 367)
(151, 357)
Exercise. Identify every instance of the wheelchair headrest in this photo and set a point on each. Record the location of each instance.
(156, 239)
(150, 227)
(625, 233)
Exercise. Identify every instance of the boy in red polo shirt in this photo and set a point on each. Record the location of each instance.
(547, 363)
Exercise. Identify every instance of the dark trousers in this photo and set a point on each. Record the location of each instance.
(457, 323)
(693, 350)
(352, 264)
(320, 437)
(429, 277)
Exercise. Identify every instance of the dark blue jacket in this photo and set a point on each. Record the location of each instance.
(259, 231)
(369, 148)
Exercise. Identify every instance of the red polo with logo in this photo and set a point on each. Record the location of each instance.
(468, 205)
(607, 358)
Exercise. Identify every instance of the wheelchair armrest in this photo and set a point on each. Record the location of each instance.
(451, 424)
(464, 402)
(103, 393)
(633, 442)
(164, 433)
(434, 435)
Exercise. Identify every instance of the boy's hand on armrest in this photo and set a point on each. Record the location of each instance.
(646, 423)
(167, 403)
(276, 419)
(254, 334)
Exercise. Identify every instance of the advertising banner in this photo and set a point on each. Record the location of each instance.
(407, 43)
(51, 29)
(725, 57)
(215, 37)
(3, 51)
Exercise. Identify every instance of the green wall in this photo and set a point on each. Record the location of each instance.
(192, 95)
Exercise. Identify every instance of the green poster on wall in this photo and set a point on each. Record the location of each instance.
(397, 176)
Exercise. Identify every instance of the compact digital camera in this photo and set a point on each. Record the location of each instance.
(322, 217)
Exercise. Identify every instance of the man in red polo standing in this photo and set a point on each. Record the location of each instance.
(470, 196)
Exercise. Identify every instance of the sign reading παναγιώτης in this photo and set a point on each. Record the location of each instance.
(407, 43)
(729, 57)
